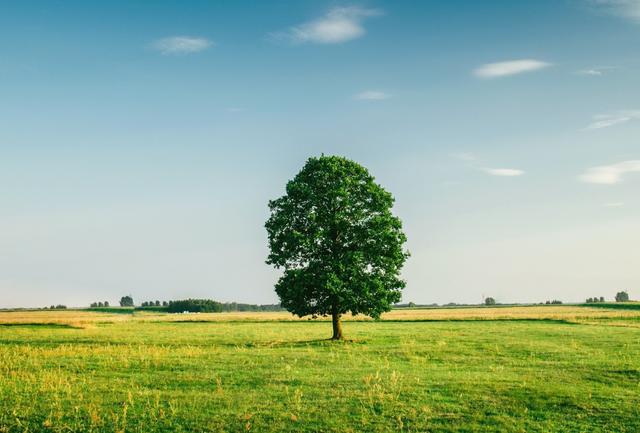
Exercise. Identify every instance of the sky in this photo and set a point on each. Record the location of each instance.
(140, 142)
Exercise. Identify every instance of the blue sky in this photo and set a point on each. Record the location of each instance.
(141, 141)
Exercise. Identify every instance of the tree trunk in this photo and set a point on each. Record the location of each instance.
(337, 327)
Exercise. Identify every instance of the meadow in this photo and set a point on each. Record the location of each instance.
(503, 369)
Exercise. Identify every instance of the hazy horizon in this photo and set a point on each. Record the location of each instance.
(141, 143)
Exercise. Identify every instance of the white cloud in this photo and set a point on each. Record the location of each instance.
(595, 71)
(508, 172)
(372, 95)
(610, 174)
(181, 45)
(606, 120)
(614, 204)
(509, 67)
(339, 25)
(624, 8)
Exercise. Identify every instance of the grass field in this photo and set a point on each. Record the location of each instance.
(509, 369)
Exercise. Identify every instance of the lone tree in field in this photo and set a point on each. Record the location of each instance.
(126, 301)
(490, 301)
(340, 246)
(622, 296)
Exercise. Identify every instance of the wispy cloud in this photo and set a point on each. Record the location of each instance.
(624, 8)
(340, 24)
(595, 71)
(181, 45)
(606, 120)
(509, 67)
(610, 174)
(614, 204)
(472, 161)
(371, 95)
(506, 172)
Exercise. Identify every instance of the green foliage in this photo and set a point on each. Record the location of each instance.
(194, 306)
(596, 300)
(99, 304)
(622, 297)
(618, 305)
(126, 301)
(335, 237)
(235, 306)
(219, 307)
(148, 307)
(490, 301)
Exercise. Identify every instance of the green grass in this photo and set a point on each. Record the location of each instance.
(464, 376)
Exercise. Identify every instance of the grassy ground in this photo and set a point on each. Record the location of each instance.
(542, 369)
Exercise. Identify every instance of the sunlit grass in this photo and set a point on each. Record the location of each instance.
(461, 370)
(81, 318)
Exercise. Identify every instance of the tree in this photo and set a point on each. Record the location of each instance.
(195, 306)
(106, 303)
(337, 241)
(490, 301)
(126, 301)
(601, 298)
(622, 296)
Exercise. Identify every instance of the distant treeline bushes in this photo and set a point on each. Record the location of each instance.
(204, 306)
(99, 304)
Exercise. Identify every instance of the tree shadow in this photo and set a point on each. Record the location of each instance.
(318, 342)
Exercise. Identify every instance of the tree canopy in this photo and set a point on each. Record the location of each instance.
(338, 242)
(126, 301)
(622, 296)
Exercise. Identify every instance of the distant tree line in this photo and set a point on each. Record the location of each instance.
(596, 300)
(56, 307)
(99, 304)
(211, 306)
(154, 304)
(554, 302)
(235, 306)
(194, 306)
